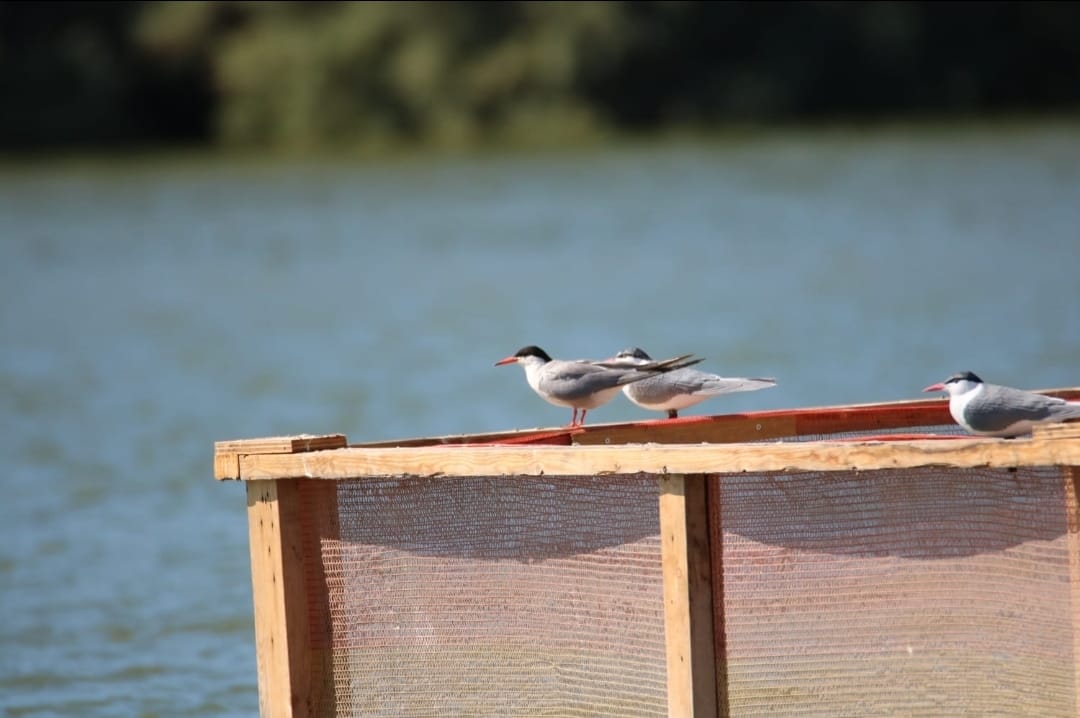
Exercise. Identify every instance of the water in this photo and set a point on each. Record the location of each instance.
(151, 309)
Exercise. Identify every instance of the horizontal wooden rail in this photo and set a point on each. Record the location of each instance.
(1049, 446)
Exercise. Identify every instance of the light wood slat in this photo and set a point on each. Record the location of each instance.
(226, 466)
(1071, 477)
(438, 461)
(688, 606)
(227, 453)
(733, 428)
(282, 633)
(281, 444)
(1069, 430)
(554, 435)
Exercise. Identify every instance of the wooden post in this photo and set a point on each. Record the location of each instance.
(292, 673)
(692, 684)
(1072, 514)
(281, 619)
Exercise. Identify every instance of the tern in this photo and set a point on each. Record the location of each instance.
(680, 388)
(992, 410)
(583, 384)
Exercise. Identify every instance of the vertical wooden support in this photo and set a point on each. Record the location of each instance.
(1072, 513)
(714, 497)
(321, 523)
(688, 601)
(281, 618)
(293, 671)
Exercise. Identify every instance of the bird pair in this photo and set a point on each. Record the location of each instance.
(665, 385)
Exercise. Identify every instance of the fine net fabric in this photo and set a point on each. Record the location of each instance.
(925, 592)
(917, 592)
(489, 597)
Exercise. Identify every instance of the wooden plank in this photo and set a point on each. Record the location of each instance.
(1069, 430)
(774, 424)
(321, 522)
(280, 599)
(559, 436)
(281, 444)
(226, 466)
(1071, 476)
(872, 418)
(437, 461)
(227, 453)
(714, 498)
(688, 608)
(727, 429)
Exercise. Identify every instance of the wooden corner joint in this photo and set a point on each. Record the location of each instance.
(227, 453)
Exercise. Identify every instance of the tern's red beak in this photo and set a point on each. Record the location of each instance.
(935, 387)
(507, 360)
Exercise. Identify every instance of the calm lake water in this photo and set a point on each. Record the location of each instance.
(150, 309)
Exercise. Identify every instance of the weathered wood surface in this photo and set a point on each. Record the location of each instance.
(1071, 478)
(688, 600)
(282, 637)
(1049, 449)
(227, 453)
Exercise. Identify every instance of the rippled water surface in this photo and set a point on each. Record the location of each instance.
(150, 309)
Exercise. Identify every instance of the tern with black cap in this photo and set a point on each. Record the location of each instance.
(1002, 411)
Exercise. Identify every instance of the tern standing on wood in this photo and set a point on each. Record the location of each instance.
(992, 410)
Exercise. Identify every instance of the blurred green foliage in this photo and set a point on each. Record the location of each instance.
(312, 75)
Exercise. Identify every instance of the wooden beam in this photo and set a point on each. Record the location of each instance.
(227, 453)
(442, 461)
(282, 636)
(688, 605)
(321, 521)
(714, 498)
(282, 444)
(1068, 430)
(1071, 476)
(728, 429)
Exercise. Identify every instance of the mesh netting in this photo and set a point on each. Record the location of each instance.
(495, 597)
(917, 592)
(903, 592)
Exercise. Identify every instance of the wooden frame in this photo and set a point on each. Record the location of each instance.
(277, 577)
(1071, 477)
(695, 687)
(291, 675)
(289, 678)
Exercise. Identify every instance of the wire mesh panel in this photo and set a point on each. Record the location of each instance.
(924, 592)
(488, 597)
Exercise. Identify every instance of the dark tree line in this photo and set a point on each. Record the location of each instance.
(318, 74)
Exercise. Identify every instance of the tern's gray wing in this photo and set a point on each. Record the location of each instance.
(682, 382)
(668, 365)
(726, 385)
(999, 407)
(570, 380)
